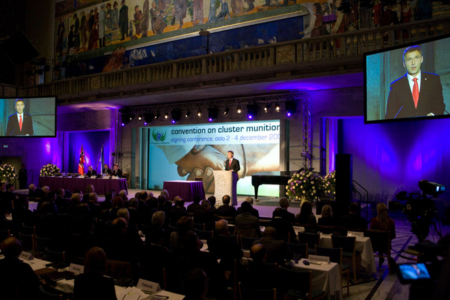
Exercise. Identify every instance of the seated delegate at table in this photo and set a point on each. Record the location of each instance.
(92, 284)
(117, 172)
(353, 220)
(106, 170)
(91, 172)
(327, 218)
(306, 216)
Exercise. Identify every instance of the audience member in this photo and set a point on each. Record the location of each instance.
(195, 285)
(353, 220)
(327, 218)
(254, 212)
(133, 211)
(61, 204)
(109, 195)
(246, 224)
(191, 208)
(93, 205)
(383, 222)
(179, 211)
(204, 215)
(226, 210)
(306, 215)
(89, 189)
(285, 230)
(183, 225)
(285, 214)
(212, 202)
(276, 250)
(116, 205)
(222, 247)
(259, 274)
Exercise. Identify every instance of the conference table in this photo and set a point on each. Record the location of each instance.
(101, 185)
(187, 190)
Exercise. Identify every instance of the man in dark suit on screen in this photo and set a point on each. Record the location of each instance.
(232, 164)
(417, 93)
(20, 123)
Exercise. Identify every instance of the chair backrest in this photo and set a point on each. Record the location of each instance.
(347, 243)
(200, 226)
(298, 280)
(335, 254)
(247, 293)
(49, 296)
(27, 241)
(299, 250)
(55, 256)
(154, 275)
(41, 243)
(311, 239)
(247, 243)
(204, 234)
(380, 239)
(118, 269)
(28, 229)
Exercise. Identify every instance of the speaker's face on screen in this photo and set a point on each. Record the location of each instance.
(20, 106)
(412, 63)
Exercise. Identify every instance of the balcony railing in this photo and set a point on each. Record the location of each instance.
(254, 60)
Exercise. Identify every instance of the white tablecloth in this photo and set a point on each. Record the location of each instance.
(324, 277)
(363, 245)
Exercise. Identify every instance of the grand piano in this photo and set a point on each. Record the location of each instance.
(274, 177)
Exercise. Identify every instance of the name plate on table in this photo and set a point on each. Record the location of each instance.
(115, 177)
(323, 260)
(148, 286)
(357, 234)
(77, 269)
(93, 177)
(26, 255)
(81, 176)
(106, 177)
(299, 228)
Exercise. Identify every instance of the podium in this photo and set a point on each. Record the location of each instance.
(225, 184)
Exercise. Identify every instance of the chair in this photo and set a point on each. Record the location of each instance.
(299, 250)
(28, 242)
(347, 243)
(4, 234)
(246, 243)
(381, 244)
(257, 294)
(312, 228)
(335, 255)
(312, 239)
(28, 229)
(204, 234)
(118, 269)
(55, 256)
(41, 243)
(49, 296)
(154, 275)
(298, 284)
(127, 176)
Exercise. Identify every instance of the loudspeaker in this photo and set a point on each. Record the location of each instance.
(18, 48)
(344, 177)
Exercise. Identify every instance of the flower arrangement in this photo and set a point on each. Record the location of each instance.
(49, 170)
(305, 185)
(7, 171)
(329, 184)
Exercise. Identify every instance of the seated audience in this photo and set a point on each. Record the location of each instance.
(109, 195)
(327, 218)
(17, 279)
(34, 192)
(353, 219)
(246, 224)
(61, 204)
(285, 214)
(306, 215)
(383, 222)
(191, 208)
(285, 230)
(254, 212)
(92, 284)
(222, 247)
(94, 207)
(116, 205)
(204, 215)
(183, 225)
(258, 273)
(89, 189)
(226, 210)
(275, 249)
(134, 212)
(212, 201)
(179, 211)
(196, 285)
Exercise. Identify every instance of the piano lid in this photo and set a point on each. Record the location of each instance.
(275, 173)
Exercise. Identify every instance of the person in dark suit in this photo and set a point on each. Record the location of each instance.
(91, 172)
(306, 215)
(123, 20)
(276, 250)
(179, 211)
(205, 215)
(246, 224)
(232, 164)
(106, 170)
(23, 178)
(17, 279)
(117, 172)
(353, 220)
(20, 123)
(222, 247)
(285, 230)
(285, 214)
(417, 93)
(259, 274)
(253, 211)
(92, 284)
(191, 208)
(226, 210)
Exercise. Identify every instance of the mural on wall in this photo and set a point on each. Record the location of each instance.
(113, 25)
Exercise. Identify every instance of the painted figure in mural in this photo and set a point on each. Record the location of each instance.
(145, 18)
(251, 6)
(77, 31)
(179, 11)
(198, 12)
(83, 30)
(238, 7)
(224, 12)
(93, 30)
(101, 25)
(60, 42)
(71, 42)
(158, 23)
(162, 4)
(365, 19)
(115, 62)
(406, 11)
(318, 23)
(115, 15)
(424, 10)
(388, 16)
(376, 13)
(326, 11)
(353, 15)
(212, 11)
(137, 19)
(123, 20)
(108, 16)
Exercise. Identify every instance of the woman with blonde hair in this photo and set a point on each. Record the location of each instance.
(327, 218)
(382, 220)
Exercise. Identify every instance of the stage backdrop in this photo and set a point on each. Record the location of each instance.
(189, 151)
(92, 143)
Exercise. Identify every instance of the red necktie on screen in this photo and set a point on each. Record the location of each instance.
(230, 163)
(415, 92)
(20, 122)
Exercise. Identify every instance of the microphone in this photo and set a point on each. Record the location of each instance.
(398, 112)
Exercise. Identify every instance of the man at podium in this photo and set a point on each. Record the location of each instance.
(232, 164)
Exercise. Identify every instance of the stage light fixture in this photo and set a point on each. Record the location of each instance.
(131, 117)
(225, 112)
(252, 111)
(199, 114)
(148, 118)
(212, 113)
(239, 110)
(277, 107)
(125, 119)
(291, 107)
(266, 108)
(166, 116)
(188, 114)
(140, 118)
(176, 115)
(157, 115)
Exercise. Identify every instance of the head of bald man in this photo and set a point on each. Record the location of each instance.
(221, 227)
(270, 232)
(11, 247)
(258, 253)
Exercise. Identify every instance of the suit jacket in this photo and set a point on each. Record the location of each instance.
(226, 211)
(117, 172)
(94, 286)
(13, 129)
(353, 221)
(107, 171)
(89, 173)
(17, 276)
(247, 225)
(235, 166)
(191, 208)
(254, 212)
(401, 104)
(203, 215)
(275, 249)
(287, 216)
